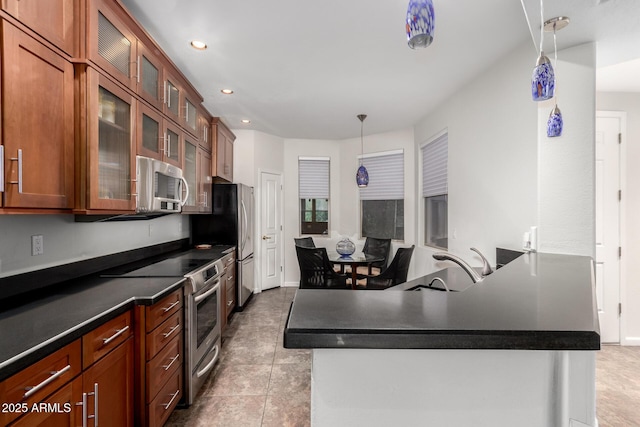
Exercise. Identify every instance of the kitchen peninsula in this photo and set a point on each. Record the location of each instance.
(517, 348)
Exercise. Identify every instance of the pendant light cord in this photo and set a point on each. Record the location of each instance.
(541, 24)
(361, 143)
(526, 16)
(555, 60)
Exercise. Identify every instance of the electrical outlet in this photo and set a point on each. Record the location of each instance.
(37, 245)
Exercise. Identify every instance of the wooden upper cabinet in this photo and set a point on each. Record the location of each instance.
(223, 162)
(205, 189)
(150, 129)
(51, 19)
(190, 174)
(111, 44)
(190, 115)
(204, 130)
(37, 123)
(149, 73)
(172, 147)
(111, 112)
(173, 97)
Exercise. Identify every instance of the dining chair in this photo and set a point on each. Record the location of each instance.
(377, 247)
(394, 274)
(306, 242)
(316, 271)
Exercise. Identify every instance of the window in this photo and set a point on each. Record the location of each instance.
(382, 201)
(313, 178)
(435, 191)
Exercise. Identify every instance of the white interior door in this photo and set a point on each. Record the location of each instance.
(608, 129)
(271, 230)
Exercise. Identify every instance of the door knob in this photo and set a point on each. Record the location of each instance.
(265, 237)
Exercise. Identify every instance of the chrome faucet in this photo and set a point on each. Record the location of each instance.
(445, 256)
(486, 268)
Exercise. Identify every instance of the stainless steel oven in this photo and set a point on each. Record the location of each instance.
(203, 297)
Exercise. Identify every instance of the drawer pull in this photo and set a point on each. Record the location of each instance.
(171, 306)
(173, 397)
(173, 359)
(171, 331)
(119, 332)
(53, 377)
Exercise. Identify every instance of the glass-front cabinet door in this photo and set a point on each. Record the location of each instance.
(111, 44)
(149, 77)
(190, 173)
(150, 138)
(204, 182)
(172, 97)
(111, 148)
(190, 117)
(204, 130)
(172, 146)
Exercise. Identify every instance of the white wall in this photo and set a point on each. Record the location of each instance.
(630, 103)
(566, 168)
(492, 160)
(67, 241)
(253, 153)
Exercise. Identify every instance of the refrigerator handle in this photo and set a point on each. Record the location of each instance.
(246, 225)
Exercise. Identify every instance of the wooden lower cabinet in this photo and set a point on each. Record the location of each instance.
(159, 359)
(61, 409)
(57, 391)
(108, 385)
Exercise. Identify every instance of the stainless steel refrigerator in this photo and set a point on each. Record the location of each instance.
(231, 223)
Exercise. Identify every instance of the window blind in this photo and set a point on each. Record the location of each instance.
(386, 177)
(434, 167)
(313, 177)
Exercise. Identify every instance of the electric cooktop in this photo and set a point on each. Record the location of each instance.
(171, 267)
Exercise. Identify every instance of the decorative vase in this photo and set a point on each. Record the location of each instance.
(345, 247)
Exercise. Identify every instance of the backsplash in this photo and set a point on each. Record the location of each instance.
(65, 241)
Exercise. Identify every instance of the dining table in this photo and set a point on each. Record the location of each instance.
(354, 260)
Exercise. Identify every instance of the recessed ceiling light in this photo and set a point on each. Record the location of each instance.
(246, 121)
(197, 44)
(227, 91)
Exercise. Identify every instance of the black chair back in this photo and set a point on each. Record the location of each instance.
(396, 273)
(378, 247)
(316, 271)
(305, 242)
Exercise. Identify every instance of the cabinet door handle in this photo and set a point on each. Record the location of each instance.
(229, 303)
(138, 68)
(173, 359)
(19, 160)
(1, 168)
(164, 93)
(53, 377)
(119, 332)
(171, 331)
(171, 306)
(94, 393)
(84, 410)
(173, 397)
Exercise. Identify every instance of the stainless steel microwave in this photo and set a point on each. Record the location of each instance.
(160, 186)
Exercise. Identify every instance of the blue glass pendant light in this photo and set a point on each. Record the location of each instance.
(420, 23)
(543, 80)
(362, 176)
(554, 124)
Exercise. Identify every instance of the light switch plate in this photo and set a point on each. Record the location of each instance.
(37, 245)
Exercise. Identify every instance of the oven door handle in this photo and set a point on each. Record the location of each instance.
(207, 368)
(209, 292)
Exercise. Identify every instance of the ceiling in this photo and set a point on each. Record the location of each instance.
(305, 69)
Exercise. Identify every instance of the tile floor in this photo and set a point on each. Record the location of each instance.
(257, 382)
(260, 383)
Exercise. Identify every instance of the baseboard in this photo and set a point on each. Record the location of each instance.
(631, 341)
(291, 284)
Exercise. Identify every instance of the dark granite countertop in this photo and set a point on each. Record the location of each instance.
(537, 302)
(60, 314)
